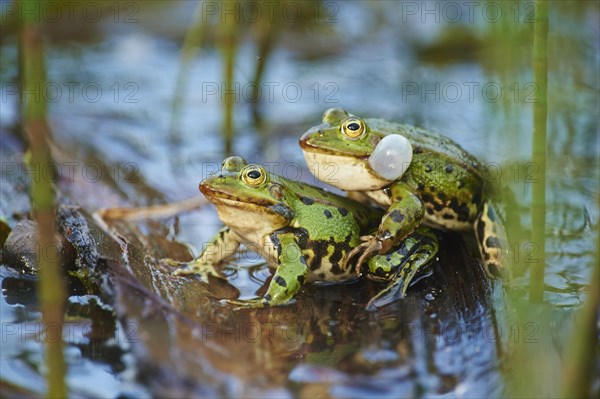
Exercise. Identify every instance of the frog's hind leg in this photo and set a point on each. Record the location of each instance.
(493, 244)
(401, 266)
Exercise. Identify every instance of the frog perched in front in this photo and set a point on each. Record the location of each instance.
(303, 232)
(417, 175)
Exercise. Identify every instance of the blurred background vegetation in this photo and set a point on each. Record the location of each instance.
(147, 97)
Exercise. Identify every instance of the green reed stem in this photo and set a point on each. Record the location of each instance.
(51, 286)
(192, 43)
(540, 110)
(266, 32)
(228, 44)
(579, 369)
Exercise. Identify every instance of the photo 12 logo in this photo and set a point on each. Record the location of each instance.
(270, 92)
(67, 332)
(127, 172)
(55, 12)
(251, 332)
(453, 92)
(467, 11)
(254, 11)
(70, 92)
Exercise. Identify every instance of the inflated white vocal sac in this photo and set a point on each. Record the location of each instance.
(391, 157)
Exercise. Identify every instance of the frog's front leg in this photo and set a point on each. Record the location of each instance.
(403, 216)
(493, 244)
(402, 265)
(289, 276)
(220, 248)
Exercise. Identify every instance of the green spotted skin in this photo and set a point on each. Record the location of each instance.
(302, 231)
(443, 186)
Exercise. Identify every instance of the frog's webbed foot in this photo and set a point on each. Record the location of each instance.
(370, 246)
(391, 293)
(396, 289)
(406, 265)
(202, 269)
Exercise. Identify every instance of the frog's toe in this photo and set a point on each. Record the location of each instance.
(182, 268)
(169, 262)
(194, 268)
(353, 253)
(371, 248)
(240, 304)
(368, 238)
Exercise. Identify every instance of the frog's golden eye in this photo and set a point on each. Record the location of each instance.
(254, 175)
(353, 128)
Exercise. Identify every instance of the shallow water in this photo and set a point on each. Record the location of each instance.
(375, 59)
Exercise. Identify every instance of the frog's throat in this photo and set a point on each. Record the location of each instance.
(243, 215)
(344, 172)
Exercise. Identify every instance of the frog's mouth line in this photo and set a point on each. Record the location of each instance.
(235, 203)
(232, 200)
(306, 146)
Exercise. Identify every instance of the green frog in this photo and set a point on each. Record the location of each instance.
(419, 176)
(303, 232)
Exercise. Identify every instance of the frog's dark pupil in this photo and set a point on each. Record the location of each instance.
(353, 126)
(254, 174)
